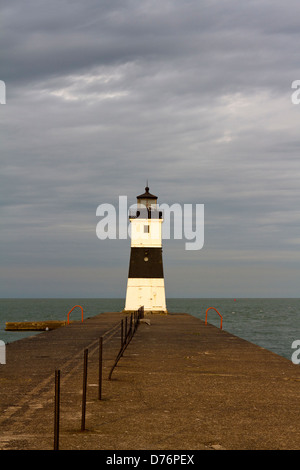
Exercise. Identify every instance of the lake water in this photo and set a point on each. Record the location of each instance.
(271, 323)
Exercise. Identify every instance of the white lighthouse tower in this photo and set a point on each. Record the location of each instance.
(146, 285)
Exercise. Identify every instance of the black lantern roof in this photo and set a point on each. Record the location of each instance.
(147, 195)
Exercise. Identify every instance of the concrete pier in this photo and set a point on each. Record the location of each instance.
(180, 385)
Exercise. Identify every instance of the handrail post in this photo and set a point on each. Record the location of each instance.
(100, 367)
(56, 409)
(84, 389)
(125, 328)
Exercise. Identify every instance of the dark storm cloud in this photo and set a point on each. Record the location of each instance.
(194, 96)
(58, 38)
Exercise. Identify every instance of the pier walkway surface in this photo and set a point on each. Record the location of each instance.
(180, 385)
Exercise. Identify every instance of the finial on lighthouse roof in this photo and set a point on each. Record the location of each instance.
(147, 195)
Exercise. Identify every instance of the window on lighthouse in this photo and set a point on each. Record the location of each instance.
(146, 228)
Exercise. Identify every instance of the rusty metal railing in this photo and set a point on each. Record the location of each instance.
(128, 329)
(127, 335)
(217, 313)
(73, 309)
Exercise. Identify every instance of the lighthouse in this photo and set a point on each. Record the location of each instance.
(146, 285)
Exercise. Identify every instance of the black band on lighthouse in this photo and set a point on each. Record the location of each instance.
(146, 263)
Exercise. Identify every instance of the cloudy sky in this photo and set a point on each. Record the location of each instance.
(194, 96)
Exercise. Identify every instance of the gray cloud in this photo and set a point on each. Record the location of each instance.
(194, 96)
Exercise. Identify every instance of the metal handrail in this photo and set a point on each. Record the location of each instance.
(134, 322)
(73, 309)
(217, 313)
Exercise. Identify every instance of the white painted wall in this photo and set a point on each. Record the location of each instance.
(141, 239)
(149, 293)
